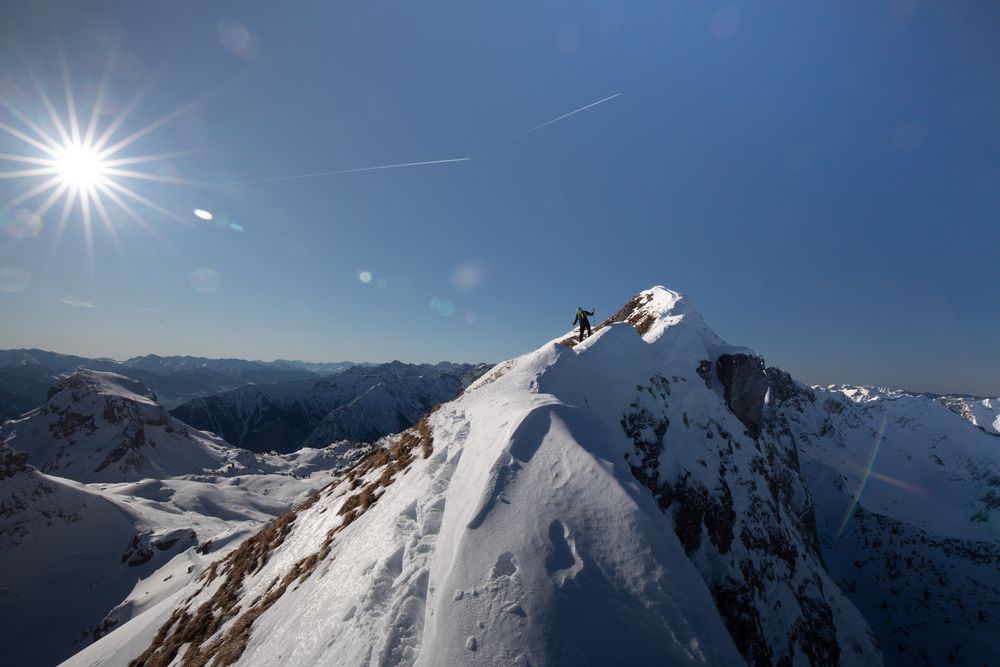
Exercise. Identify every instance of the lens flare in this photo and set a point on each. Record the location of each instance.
(14, 280)
(725, 22)
(467, 277)
(444, 307)
(203, 214)
(865, 474)
(206, 281)
(365, 277)
(238, 40)
(21, 224)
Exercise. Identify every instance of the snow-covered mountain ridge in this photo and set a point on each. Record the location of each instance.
(106, 427)
(614, 501)
(363, 403)
(26, 374)
(162, 501)
(981, 412)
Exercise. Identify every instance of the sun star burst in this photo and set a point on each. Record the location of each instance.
(76, 161)
(80, 166)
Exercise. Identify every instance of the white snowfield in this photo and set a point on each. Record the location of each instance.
(524, 538)
(78, 558)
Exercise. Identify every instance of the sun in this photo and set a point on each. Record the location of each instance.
(80, 167)
(79, 161)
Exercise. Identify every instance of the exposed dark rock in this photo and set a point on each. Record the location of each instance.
(104, 627)
(745, 384)
(705, 371)
(11, 461)
(784, 388)
(771, 541)
(141, 556)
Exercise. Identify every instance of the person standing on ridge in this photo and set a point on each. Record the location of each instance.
(581, 317)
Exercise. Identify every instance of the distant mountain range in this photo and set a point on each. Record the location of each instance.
(262, 406)
(362, 404)
(26, 375)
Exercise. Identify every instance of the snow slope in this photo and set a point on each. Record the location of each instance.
(76, 560)
(908, 498)
(105, 427)
(596, 504)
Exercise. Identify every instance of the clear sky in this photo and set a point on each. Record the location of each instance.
(821, 179)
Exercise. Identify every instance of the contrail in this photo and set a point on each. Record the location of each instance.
(556, 120)
(427, 162)
(349, 171)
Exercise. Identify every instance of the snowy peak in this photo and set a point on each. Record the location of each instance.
(99, 426)
(674, 330)
(86, 382)
(610, 502)
(657, 310)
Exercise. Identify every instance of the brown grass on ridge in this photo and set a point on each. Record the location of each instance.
(627, 313)
(196, 630)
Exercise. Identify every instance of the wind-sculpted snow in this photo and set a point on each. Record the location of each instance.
(597, 504)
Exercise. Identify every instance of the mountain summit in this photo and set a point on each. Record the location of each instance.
(104, 427)
(610, 502)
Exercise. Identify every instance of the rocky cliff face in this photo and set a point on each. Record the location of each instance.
(745, 385)
(741, 509)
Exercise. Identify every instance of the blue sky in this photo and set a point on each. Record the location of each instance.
(821, 179)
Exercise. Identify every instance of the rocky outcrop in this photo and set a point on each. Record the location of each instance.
(745, 384)
(783, 387)
(11, 461)
(764, 549)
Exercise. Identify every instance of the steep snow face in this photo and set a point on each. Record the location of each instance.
(595, 504)
(106, 427)
(908, 496)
